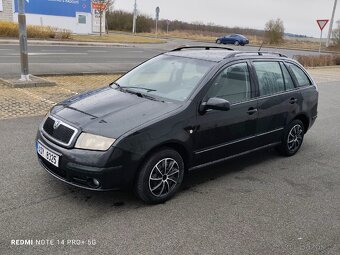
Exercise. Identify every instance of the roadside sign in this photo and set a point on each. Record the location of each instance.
(157, 18)
(98, 6)
(157, 12)
(322, 23)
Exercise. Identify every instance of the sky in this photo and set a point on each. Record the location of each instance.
(299, 16)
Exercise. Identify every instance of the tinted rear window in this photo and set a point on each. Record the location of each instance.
(270, 78)
(300, 75)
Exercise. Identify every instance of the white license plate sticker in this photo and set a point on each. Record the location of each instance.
(48, 154)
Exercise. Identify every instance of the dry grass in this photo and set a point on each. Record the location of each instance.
(116, 38)
(11, 29)
(204, 36)
(320, 60)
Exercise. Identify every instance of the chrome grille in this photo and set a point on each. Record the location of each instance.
(58, 131)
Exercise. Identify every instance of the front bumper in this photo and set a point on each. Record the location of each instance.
(81, 167)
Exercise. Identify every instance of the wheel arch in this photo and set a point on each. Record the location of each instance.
(175, 145)
(305, 120)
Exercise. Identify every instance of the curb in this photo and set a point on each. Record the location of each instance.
(64, 43)
(80, 74)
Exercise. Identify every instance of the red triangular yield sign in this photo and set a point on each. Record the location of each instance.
(322, 23)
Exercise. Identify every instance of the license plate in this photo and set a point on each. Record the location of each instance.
(48, 154)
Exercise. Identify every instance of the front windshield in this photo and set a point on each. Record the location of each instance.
(166, 76)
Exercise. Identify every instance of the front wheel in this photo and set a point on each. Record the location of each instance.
(160, 177)
(236, 43)
(292, 139)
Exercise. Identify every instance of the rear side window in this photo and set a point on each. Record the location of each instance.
(300, 75)
(288, 79)
(270, 78)
(232, 84)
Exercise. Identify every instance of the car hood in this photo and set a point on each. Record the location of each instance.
(110, 112)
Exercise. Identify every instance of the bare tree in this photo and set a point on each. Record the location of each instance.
(336, 35)
(102, 6)
(274, 31)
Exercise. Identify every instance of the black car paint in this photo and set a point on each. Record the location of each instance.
(142, 126)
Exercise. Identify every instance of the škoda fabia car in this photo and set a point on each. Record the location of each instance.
(177, 112)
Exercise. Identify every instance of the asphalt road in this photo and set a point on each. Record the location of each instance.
(260, 204)
(62, 59)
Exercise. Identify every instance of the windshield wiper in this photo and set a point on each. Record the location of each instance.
(115, 83)
(126, 89)
(147, 89)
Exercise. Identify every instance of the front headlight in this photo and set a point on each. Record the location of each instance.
(94, 142)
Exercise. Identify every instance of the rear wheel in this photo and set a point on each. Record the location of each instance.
(160, 176)
(292, 139)
(218, 41)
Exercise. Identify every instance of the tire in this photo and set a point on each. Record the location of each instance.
(292, 138)
(236, 43)
(156, 183)
(218, 41)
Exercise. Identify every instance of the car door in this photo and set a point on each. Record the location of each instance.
(221, 134)
(277, 100)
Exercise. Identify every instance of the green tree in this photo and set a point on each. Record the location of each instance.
(274, 31)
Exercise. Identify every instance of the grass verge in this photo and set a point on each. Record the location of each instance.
(319, 60)
(116, 38)
(11, 29)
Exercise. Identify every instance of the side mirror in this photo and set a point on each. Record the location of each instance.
(215, 103)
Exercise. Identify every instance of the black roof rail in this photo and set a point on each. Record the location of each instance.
(201, 47)
(259, 53)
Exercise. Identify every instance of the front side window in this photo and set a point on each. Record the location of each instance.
(166, 76)
(269, 77)
(300, 75)
(232, 84)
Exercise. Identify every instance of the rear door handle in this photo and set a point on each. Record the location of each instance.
(251, 110)
(293, 100)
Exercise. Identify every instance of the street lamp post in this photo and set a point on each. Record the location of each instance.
(134, 18)
(331, 24)
(23, 41)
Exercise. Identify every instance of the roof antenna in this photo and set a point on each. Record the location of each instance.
(259, 51)
(261, 46)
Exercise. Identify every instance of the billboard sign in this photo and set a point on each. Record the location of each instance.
(66, 8)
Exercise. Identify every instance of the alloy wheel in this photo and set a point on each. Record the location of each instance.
(164, 177)
(295, 138)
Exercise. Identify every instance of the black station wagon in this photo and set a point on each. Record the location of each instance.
(179, 111)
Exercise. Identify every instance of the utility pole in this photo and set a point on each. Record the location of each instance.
(23, 41)
(331, 24)
(134, 18)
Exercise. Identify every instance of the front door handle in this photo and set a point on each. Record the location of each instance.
(293, 100)
(251, 110)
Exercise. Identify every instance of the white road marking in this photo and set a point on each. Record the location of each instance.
(53, 50)
(96, 51)
(48, 53)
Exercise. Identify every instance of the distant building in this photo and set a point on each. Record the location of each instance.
(6, 10)
(74, 15)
